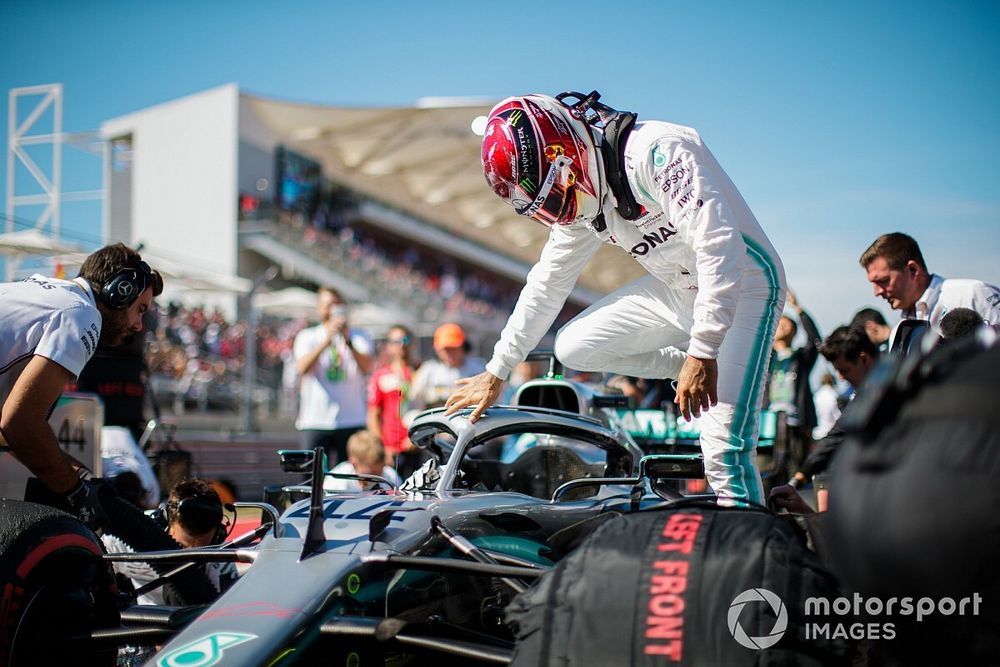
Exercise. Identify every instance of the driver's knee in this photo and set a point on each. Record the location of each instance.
(577, 352)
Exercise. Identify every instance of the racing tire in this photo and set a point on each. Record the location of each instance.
(54, 586)
(660, 587)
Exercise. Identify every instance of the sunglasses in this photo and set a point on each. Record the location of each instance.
(405, 340)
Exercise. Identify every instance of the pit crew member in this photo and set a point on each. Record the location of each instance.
(49, 329)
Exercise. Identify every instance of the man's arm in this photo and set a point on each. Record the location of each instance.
(306, 358)
(810, 351)
(24, 421)
(364, 360)
(549, 283)
(374, 420)
(821, 455)
(546, 288)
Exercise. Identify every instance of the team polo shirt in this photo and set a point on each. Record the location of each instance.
(945, 294)
(48, 317)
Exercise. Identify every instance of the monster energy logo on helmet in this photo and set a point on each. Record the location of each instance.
(526, 152)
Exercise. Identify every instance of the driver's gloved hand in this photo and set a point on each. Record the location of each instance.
(84, 501)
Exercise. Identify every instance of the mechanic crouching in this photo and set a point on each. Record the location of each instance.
(193, 516)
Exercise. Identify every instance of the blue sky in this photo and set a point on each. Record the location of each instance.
(837, 121)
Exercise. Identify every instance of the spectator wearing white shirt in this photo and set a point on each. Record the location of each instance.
(435, 379)
(332, 361)
(827, 406)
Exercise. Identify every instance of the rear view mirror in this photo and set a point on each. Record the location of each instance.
(672, 466)
(612, 401)
(297, 460)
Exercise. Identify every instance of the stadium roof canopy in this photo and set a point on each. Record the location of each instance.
(424, 161)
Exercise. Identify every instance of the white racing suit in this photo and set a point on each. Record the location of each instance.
(715, 291)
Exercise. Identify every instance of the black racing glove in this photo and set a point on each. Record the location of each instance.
(84, 501)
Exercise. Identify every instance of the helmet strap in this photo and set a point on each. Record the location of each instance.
(614, 127)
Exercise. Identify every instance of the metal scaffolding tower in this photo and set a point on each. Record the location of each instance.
(36, 101)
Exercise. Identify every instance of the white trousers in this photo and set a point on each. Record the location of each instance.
(643, 330)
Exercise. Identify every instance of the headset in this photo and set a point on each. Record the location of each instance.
(199, 514)
(122, 289)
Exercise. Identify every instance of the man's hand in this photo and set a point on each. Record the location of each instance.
(790, 300)
(785, 497)
(85, 503)
(697, 386)
(332, 327)
(480, 391)
(797, 480)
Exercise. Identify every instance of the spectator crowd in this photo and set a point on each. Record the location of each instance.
(336, 233)
(197, 358)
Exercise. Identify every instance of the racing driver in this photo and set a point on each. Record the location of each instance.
(707, 311)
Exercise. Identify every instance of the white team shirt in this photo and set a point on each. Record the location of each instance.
(945, 294)
(48, 317)
(696, 234)
(332, 394)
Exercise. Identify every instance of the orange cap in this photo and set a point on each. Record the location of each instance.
(448, 335)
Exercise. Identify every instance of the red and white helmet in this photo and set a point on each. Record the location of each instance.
(542, 160)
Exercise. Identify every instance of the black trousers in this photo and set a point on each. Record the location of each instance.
(333, 441)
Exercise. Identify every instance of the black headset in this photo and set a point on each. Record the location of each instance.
(122, 289)
(198, 513)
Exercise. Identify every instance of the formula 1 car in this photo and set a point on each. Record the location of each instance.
(386, 576)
